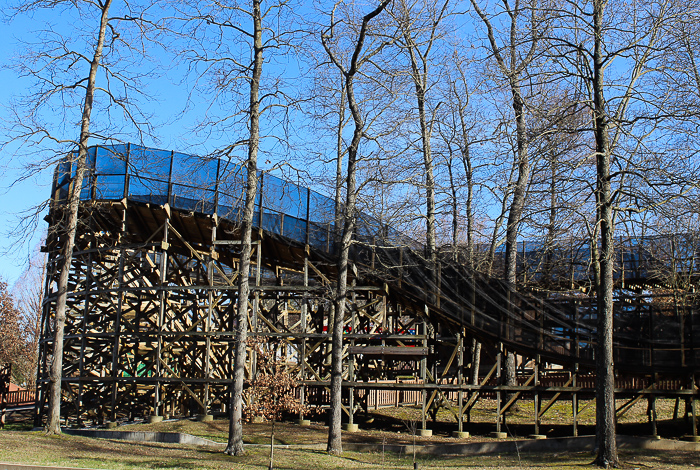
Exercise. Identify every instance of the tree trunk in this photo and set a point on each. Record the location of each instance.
(56, 373)
(431, 242)
(235, 437)
(514, 216)
(455, 211)
(419, 74)
(334, 429)
(339, 162)
(334, 426)
(476, 361)
(605, 376)
(513, 70)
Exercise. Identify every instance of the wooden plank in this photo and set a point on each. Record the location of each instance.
(389, 351)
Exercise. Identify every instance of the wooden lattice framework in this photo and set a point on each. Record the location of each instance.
(151, 314)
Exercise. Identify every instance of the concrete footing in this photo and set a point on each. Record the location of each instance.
(304, 422)
(351, 427)
(155, 419)
(499, 435)
(425, 432)
(690, 438)
(460, 434)
(537, 436)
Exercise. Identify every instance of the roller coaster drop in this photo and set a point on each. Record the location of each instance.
(152, 294)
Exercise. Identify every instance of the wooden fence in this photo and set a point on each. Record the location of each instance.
(18, 398)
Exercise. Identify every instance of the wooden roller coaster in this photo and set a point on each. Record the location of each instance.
(153, 290)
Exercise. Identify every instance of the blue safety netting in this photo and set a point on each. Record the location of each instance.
(211, 185)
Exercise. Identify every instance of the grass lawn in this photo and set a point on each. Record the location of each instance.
(72, 451)
(19, 445)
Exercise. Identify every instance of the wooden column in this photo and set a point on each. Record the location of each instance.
(84, 328)
(693, 408)
(210, 312)
(499, 360)
(460, 381)
(536, 397)
(574, 400)
(116, 342)
(304, 331)
(162, 299)
(423, 372)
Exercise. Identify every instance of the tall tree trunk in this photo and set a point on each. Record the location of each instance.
(235, 436)
(471, 252)
(419, 73)
(334, 430)
(455, 210)
(515, 215)
(334, 445)
(466, 159)
(551, 223)
(605, 376)
(513, 69)
(56, 373)
(339, 160)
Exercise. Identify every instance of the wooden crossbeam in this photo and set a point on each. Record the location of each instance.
(624, 408)
(474, 397)
(197, 254)
(516, 395)
(319, 273)
(554, 398)
(184, 385)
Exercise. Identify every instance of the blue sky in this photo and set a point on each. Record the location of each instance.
(173, 120)
(174, 128)
(17, 198)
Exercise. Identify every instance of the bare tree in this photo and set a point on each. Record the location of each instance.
(419, 24)
(460, 132)
(230, 42)
(558, 186)
(329, 40)
(61, 91)
(235, 437)
(514, 58)
(89, 83)
(595, 35)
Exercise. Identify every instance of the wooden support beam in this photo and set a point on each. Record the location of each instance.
(516, 395)
(553, 400)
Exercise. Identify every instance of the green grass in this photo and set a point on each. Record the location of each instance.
(25, 426)
(18, 445)
(72, 451)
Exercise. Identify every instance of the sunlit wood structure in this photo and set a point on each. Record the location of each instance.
(153, 291)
